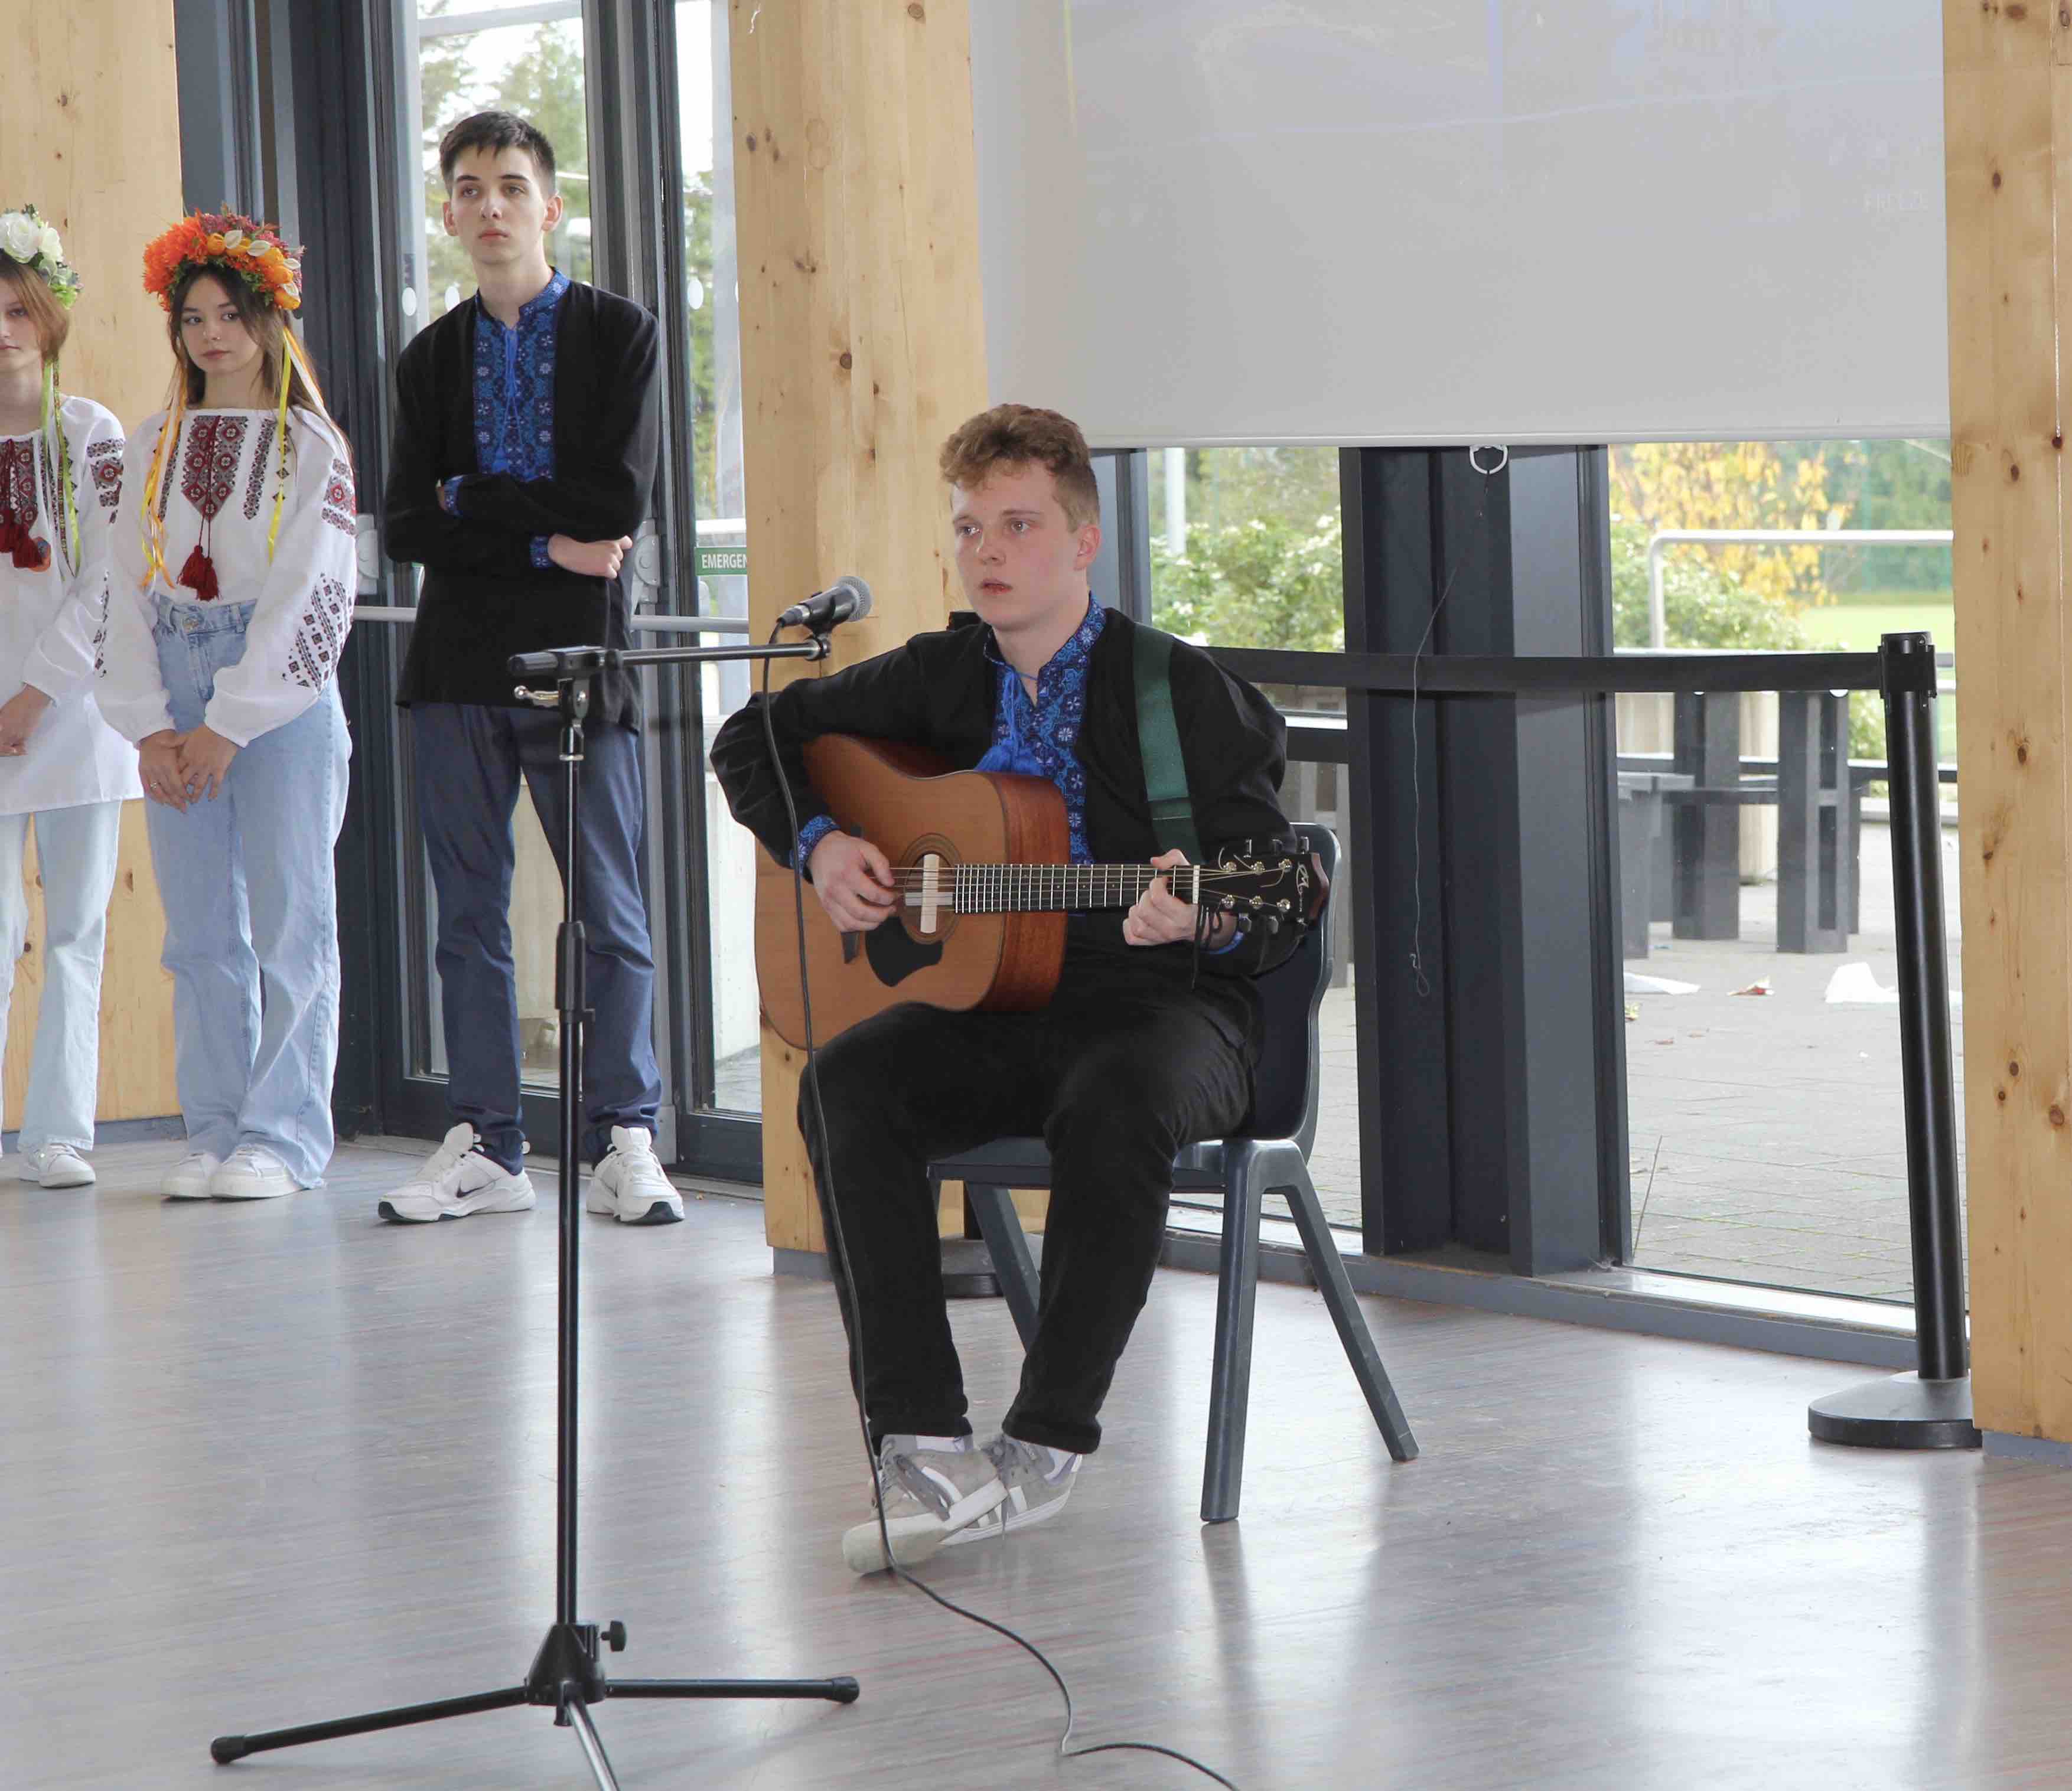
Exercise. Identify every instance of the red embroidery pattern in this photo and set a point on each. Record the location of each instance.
(104, 462)
(326, 614)
(209, 470)
(339, 498)
(18, 484)
(18, 507)
(257, 483)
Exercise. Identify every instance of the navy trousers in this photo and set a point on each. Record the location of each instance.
(469, 758)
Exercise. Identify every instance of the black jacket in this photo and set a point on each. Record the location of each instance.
(484, 599)
(939, 692)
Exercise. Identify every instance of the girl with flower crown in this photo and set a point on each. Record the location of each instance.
(61, 767)
(231, 594)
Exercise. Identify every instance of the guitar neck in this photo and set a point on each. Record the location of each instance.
(1026, 889)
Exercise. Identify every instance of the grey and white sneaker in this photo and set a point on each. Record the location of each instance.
(456, 1180)
(55, 1166)
(629, 1183)
(929, 1496)
(190, 1178)
(252, 1173)
(1036, 1479)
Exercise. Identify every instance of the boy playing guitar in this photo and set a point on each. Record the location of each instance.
(1147, 1044)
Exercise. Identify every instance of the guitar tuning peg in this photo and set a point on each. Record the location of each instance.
(1273, 922)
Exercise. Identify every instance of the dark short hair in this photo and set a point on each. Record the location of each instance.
(1016, 435)
(497, 131)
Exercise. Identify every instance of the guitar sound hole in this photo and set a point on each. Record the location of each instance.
(946, 916)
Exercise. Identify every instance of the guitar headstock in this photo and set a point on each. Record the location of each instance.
(1283, 885)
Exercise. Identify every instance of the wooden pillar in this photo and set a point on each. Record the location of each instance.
(862, 347)
(90, 135)
(2008, 101)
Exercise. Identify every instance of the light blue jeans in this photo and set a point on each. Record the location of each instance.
(75, 853)
(251, 908)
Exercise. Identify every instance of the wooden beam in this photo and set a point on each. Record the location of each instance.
(90, 134)
(2008, 133)
(862, 347)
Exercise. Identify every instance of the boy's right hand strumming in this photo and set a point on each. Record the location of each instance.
(853, 880)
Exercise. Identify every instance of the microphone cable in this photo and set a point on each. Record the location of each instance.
(838, 1254)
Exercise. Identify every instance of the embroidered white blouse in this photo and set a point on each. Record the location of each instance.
(54, 610)
(215, 491)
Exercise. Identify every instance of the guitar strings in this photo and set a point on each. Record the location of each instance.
(838, 1252)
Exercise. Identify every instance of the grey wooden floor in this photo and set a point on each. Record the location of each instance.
(265, 1465)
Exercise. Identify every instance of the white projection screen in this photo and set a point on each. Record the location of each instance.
(1444, 221)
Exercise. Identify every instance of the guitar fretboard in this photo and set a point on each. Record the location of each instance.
(1013, 888)
(1021, 888)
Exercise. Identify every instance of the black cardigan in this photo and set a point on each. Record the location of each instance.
(484, 599)
(939, 692)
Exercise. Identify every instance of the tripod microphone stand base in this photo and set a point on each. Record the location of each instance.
(565, 1678)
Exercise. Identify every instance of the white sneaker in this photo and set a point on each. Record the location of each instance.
(629, 1183)
(55, 1166)
(457, 1179)
(928, 1497)
(252, 1172)
(189, 1180)
(1039, 1480)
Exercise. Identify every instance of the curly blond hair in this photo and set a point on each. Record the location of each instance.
(1017, 435)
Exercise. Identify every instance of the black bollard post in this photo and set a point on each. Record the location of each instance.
(1931, 1408)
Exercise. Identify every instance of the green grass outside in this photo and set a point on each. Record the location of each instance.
(1847, 599)
(1854, 625)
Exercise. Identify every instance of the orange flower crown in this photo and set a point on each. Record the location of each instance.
(253, 252)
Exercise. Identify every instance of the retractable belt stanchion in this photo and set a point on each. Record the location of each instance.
(1929, 1408)
(566, 1676)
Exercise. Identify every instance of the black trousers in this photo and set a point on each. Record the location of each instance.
(1114, 1076)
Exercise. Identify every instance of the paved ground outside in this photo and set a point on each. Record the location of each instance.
(1766, 1132)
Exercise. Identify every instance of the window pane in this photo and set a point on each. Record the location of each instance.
(704, 104)
(534, 70)
(1245, 547)
(1763, 1096)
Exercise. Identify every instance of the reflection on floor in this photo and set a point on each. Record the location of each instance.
(270, 1464)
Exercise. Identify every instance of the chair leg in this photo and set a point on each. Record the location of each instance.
(1336, 1287)
(1230, 1377)
(1001, 1227)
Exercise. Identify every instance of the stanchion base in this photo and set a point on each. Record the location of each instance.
(1897, 1411)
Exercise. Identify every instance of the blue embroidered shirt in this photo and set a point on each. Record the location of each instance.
(514, 396)
(1037, 739)
(1034, 739)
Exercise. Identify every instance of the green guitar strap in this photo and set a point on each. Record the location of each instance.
(1158, 739)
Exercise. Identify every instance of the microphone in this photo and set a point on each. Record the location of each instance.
(846, 599)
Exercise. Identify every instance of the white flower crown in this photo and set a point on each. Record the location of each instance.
(27, 239)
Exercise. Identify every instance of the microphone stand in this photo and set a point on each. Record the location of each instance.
(566, 1676)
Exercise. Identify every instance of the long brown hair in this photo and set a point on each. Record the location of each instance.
(268, 327)
(53, 322)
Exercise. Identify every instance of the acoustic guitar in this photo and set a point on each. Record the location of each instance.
(981, 864)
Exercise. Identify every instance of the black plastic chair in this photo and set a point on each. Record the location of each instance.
(1269, 1156)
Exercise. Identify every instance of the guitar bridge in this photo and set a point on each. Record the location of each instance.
(930, 898)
